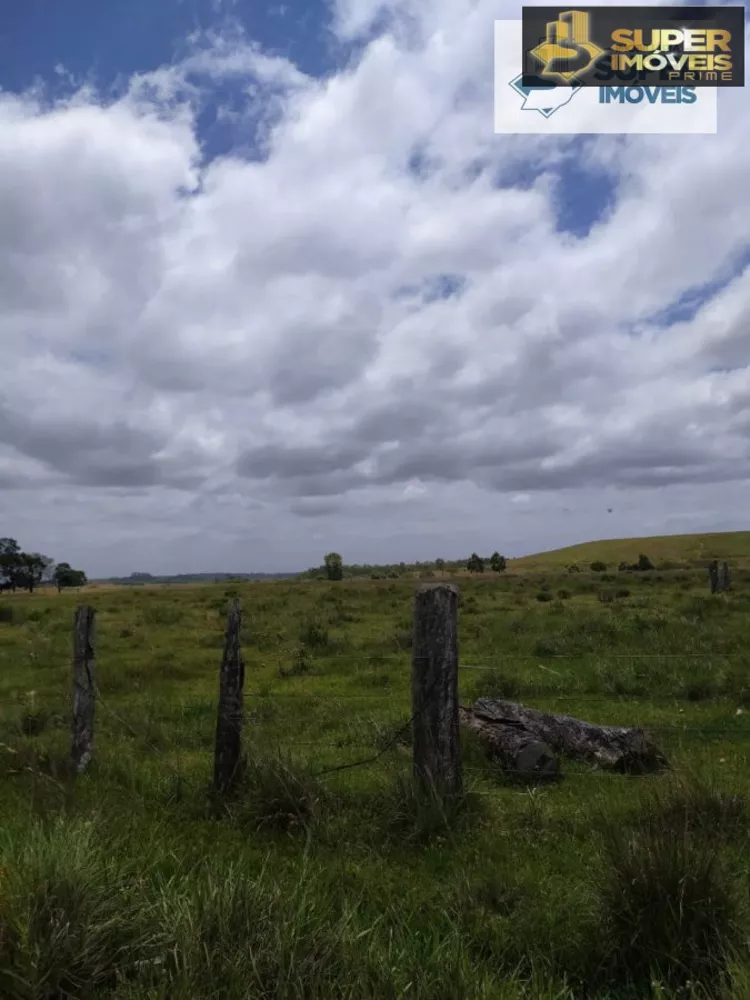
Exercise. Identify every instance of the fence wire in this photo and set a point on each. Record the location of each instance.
(397, 737)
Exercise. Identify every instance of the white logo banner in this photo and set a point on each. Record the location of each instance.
(570, 110)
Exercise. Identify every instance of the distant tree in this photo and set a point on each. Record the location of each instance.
(34, 569)
(497, 562)
(475, 564)
(65, 576)
(644, 563)
(10, 564)
(334, 566)
(440, 564)
(598, 566)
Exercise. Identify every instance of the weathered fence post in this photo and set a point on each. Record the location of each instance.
(713, 576)
(725, 582)
(229, 722)
(434, 691)
(84, 693)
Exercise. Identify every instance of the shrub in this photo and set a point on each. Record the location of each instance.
(6, 614)
(314, 634)
(544, 595)
(69, 914)
(598, 566)
(644, 564)
(564, 595)
(701, 689)
(701, 807)
(606, 596)
(301, 663)
(415, 815)
(622, 592)
(668, 910)
(277, 794)
(33, 722)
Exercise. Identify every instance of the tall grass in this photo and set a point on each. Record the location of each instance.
(670, 909)
(72, 919)
(128, 884)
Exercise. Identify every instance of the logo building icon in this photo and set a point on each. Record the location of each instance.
(567, 51)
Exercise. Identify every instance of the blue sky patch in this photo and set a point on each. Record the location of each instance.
(583, 196)
(104, 41)
(684, 308)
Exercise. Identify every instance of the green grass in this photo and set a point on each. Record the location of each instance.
(317, 881)
(686, 550)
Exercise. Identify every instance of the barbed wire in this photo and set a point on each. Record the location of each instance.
(406, 727)
(376, 658)
(738, 699)
(388, 698)
(396, 737)
(712, 654)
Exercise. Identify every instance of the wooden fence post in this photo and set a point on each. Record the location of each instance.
(713, 576)
(434, 691)
(83, 688)
(229, 722)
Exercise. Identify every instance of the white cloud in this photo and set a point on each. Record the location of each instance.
(202, 359)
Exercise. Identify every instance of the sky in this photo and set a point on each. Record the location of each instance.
(270, 286)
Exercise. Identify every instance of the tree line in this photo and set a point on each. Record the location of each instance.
(21, 570)
(334, 568)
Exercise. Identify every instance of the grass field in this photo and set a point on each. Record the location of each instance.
(691, 551)
(132, 883)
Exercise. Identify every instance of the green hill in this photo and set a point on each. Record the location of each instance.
(690, 550)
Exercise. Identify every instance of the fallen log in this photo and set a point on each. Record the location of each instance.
(517, 752)
(508, 729)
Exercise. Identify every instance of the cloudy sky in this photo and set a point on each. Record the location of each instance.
(271, 286)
